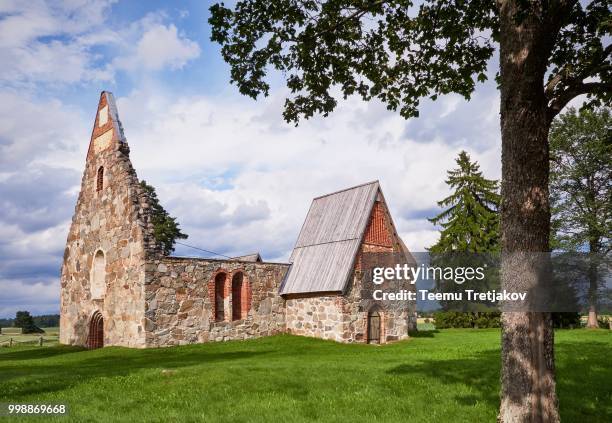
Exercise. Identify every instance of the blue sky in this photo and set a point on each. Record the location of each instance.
(235, 175)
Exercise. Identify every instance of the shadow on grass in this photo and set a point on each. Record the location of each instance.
(583, 375)
(38, 352)
(584, 372)
(480, 372)
(423, 333)
(108, 362)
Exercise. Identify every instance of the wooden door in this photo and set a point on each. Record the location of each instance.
(374, 327)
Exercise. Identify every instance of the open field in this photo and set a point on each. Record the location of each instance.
(450, 375)
(50, 337)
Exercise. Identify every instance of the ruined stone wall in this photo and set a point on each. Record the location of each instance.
(111, 221)
(180, 301)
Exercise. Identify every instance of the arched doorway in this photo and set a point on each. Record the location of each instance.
(95, 338)
(374, 327)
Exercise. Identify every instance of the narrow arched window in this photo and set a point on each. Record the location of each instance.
(98, 276)
(100, 179)
(219, 297)
(237, 300)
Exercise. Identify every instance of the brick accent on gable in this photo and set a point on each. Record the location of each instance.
(378, 229)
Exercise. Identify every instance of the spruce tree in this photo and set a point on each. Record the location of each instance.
(165, 227)
(470, 233)
(470, 222)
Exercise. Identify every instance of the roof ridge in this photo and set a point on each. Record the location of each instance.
(376, 181)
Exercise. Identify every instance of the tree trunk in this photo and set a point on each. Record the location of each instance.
(592, 319)
(528, 373)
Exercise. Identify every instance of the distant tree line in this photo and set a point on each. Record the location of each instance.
(42, 321)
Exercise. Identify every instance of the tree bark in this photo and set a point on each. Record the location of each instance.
(528, 372)
(592, 319)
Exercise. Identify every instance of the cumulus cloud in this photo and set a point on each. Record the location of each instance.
(41, 297)
(39, 142)
(72, 42)
(39, 41)
(162, 46)
(241, 154)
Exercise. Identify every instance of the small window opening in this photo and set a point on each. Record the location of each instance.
(100, 179)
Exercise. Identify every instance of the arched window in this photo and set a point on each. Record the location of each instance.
(237, 296)
(100, 179)
(219, 297)
(98, 276)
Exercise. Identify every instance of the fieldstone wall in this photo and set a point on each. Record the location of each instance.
(180, 301)
(111, 220)
(317, 316)
(344, 318)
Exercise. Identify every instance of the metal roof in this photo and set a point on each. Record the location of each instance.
(325, 251)
(255, 257)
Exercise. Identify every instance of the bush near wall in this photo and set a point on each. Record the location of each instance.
(455, 319)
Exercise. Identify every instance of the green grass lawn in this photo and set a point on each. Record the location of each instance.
(450, 375)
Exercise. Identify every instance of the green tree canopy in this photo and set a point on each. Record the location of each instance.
(470, 222)
(24, 320)
(398, 52)
(165, 227)
(581, 191)
(581, 181)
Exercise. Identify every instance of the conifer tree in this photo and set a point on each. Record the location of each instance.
(470, 223)
(165, 227)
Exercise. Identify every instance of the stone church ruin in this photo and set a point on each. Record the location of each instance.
(118, 288)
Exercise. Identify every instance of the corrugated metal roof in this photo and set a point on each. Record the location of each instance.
(323, 257)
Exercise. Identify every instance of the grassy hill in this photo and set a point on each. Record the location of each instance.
(450, 375)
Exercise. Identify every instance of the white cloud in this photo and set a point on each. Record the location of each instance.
(41, 297)
(212, 157)
(161, 46)
(59, 42)
(61, 57)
